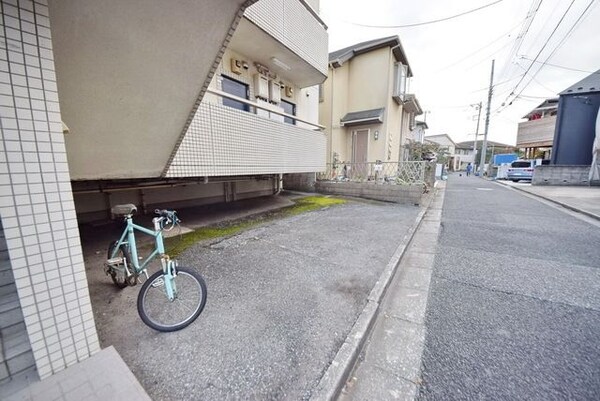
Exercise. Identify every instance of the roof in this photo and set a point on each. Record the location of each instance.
(589, 84)
(339, 57)
(432, 138)
(363, 117)
(548, 104)
(469, 144)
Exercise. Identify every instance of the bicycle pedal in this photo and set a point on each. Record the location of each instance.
(114, 261)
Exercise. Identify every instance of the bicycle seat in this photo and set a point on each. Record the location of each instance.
(123, 210)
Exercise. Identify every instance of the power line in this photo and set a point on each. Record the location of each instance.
(521, 37)
(559, 66)
(426, 22)
(542, 49)
(481, 48)
(563, 40)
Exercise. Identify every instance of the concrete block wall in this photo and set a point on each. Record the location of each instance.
(403, 194)
(562, 175)
(36, 201)
(300, 182)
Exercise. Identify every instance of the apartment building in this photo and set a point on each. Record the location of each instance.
(110, 102)
(365, 103)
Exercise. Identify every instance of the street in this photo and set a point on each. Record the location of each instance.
(514, 303)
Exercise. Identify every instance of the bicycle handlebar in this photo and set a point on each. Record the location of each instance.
(169, 217)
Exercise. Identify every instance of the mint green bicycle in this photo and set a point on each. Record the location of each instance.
(170, 299)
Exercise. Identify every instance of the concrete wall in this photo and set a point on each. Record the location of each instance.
(300, 182)
(129, 74)
(403, 194)
(561, 175)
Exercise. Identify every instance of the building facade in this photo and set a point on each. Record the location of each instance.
(109, 102)
(535, 136)
(365, 103)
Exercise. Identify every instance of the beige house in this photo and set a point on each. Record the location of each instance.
(365, 105)
(445, 142)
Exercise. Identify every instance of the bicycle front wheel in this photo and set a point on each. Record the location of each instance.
(158, 312)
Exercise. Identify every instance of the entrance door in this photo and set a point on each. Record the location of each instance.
(360, 146)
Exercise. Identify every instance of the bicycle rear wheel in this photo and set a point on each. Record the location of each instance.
(118, 273)
(158, 312)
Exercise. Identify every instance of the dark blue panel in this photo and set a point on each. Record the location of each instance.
(575, 129)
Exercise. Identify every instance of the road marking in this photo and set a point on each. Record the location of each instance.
(484, 189)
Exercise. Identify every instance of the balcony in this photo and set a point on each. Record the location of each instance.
(289, 32)
(536, 133)
(223, 141)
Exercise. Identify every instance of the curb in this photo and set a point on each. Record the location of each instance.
(565, 205)
(334, 379)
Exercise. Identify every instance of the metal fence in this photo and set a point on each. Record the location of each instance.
(409, 172)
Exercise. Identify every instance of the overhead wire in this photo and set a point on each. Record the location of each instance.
(560, 66)
(541, 50)
(562, 41)
(426, 22)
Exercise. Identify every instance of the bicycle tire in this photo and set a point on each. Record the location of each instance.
(157, 312)
(118, 280)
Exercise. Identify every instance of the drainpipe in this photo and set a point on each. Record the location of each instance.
(330, 144)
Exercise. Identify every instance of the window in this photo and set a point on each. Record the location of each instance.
(288, 108)
(235, 88)
(400, 74)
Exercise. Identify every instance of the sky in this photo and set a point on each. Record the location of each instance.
(451, 60)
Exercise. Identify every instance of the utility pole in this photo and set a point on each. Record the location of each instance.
(478, 106)
(487, 123)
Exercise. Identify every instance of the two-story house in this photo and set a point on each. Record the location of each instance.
(365, 104)
(535, 136)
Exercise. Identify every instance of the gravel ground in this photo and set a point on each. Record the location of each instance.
(281, 299)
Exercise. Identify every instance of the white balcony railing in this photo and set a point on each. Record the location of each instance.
(224, 141)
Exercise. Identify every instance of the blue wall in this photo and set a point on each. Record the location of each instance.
(575, 129)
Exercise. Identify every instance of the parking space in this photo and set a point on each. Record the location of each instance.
(281, 299)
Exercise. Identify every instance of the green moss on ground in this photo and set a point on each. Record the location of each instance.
(176, 245)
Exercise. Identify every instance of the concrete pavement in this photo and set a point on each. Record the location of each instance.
(585, 200)
(514, 307)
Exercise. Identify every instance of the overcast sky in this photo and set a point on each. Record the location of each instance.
(451, 60)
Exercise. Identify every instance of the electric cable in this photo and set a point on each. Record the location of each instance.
(426, 22)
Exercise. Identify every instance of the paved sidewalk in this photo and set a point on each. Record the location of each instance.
(102, 377)
(585, 200)
(390, 364)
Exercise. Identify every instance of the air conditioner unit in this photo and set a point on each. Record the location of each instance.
(261, 86)
(274, 91)
(236, 66)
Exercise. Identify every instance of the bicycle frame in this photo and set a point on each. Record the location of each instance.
(168, 265)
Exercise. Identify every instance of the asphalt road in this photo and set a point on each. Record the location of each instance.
(514, 305)
(281, 300)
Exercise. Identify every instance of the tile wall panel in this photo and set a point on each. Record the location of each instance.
(35, 194)
(294, 26)
(223, 141)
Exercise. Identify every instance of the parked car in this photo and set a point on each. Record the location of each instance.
(521, 170)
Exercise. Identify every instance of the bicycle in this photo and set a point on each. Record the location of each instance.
(163, 299)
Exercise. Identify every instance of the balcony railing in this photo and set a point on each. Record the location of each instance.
(224, 141)
(398, 173)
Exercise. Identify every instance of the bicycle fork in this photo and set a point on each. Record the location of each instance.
(169, 273)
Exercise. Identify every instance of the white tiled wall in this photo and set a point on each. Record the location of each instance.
(36, 202)
(225, 141)
(292, 24)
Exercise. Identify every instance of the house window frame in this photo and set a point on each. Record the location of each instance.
(234, 104)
